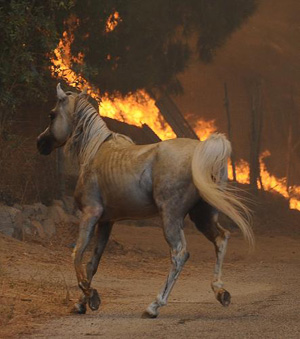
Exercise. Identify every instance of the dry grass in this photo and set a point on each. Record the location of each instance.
(31, 292)
(25, 176)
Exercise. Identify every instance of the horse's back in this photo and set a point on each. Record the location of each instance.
(131, 176)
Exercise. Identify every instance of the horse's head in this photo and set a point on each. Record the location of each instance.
(61, 123)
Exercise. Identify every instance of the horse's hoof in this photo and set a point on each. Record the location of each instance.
(94, 300)
(224, 297)
(147, 315)
(79, 309)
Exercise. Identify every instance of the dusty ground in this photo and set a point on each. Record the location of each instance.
(38, 287)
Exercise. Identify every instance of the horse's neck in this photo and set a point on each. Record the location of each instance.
(89, 133)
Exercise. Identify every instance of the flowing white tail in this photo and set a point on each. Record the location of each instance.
(209, 170)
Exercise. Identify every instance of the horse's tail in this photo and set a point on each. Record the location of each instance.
(209, 171)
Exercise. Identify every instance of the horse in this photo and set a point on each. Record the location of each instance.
(120, 180)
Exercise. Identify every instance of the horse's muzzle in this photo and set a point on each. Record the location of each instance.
(45, 144)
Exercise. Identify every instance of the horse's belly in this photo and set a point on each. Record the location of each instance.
(132, 204)
(127, 192)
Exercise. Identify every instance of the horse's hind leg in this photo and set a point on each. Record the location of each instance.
(102, 235)
(175, 237)
(220, 243)
(206, 220)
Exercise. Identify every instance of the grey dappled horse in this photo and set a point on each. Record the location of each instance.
(120, 180)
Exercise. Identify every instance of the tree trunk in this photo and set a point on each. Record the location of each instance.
(288, 158)
(292, 127)
(227, 108)
(174, 117)
(255, 136)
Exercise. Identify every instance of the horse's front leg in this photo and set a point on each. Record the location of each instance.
(102, 235)
(90, 217)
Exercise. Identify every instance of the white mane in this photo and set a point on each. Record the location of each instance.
(89, 132)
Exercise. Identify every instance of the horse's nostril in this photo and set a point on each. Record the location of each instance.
(39, 142)
(44, 145)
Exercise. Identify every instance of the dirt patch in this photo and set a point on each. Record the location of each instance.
(38, 288)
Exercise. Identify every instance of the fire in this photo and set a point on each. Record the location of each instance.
(204, 128)
(295, 203)
(269, 181)
(135, 109)
(242, 172)
(139, 108)
(112, 22)
(62, 62)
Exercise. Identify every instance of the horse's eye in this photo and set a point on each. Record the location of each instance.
(51, 116)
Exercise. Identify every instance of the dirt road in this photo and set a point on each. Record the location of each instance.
(263, 285)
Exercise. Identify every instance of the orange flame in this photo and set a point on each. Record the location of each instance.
(242, 172)
(294, 202)
(112, 22)
(204, 128)
(270, 182)
(136, 109)
(140, 108)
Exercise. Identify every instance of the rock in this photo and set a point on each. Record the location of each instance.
(11, 221)
(40, 208)
(69, 205)
(58, 203)
(18, 207)
(78, 214)
(57, 214)
(73, 219)
(18, 229)
(39, 217)
(39, 230)
(49, 227)
(37, 212)
(28, 211)
(28, 227)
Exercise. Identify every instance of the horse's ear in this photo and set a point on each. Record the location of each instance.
(61, 95)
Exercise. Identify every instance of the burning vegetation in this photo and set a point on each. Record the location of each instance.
(139, 108)
(267, 182)
(135, 109)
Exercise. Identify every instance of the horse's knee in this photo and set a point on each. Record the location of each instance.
(185, 257)
(93, 211)
(180, 258)
(221, 240)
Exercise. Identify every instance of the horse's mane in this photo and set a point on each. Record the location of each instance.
(89, 132)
